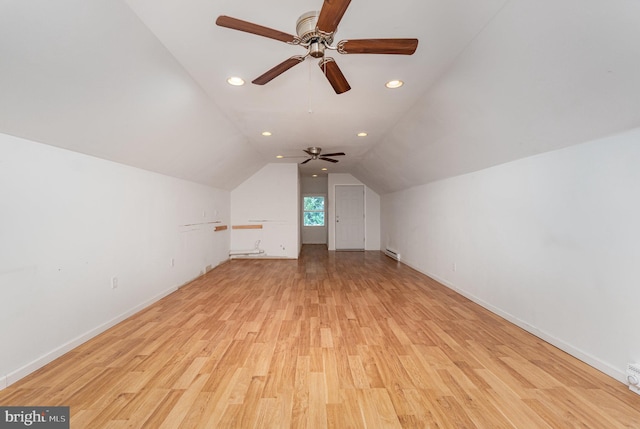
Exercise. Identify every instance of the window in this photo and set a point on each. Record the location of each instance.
(313, 214)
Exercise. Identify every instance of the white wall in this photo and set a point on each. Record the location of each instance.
(314, 185)
(311, 186)
(68, 224)
(270, 198)
(551, 242)
(371, 211)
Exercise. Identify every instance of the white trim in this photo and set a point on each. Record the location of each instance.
(566, 347)
(314, 211)
(12, 377)
(314, 228)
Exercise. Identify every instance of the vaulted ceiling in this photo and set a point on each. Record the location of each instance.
(143, 82)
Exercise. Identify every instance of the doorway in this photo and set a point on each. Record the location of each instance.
(349, 217)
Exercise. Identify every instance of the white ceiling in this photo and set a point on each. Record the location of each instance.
(142, 82)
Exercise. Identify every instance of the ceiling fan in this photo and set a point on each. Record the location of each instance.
(316, 153)
(315, 31)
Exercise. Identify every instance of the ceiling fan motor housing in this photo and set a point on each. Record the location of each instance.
(309, 35)
(314, 152)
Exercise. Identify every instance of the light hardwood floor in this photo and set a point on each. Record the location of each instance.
(339, 340)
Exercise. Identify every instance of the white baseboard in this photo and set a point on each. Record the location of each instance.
(12, 377)
(556, 342)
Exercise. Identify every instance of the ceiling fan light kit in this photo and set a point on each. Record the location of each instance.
(315, 32)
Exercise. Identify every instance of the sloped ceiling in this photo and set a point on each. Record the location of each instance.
(90, 77)
(541, 75)
(142, 82)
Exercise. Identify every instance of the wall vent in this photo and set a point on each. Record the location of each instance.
(633, 377)
(392, 254)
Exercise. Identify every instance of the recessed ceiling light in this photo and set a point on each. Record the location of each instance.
(362, 134)
(279, 156)
(394, 84)
(266, 133)
(314, 175)
(235, 81)
(324, 169)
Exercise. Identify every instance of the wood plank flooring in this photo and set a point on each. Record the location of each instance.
(333, 340)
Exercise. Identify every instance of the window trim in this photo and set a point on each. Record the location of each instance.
(324, 210)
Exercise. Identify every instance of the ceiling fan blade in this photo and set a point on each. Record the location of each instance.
(378, 46)
(248, 27)
(305, 161)
(334, 154)
(331, 14)
(278, 70)
(334, 75)
(328, 159)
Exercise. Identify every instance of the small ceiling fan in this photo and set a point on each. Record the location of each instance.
(315, 31)
(316, 153)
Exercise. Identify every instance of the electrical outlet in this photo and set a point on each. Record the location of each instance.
(173, 262)
(114, 282)
(454, 266)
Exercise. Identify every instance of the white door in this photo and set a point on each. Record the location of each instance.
(349, 217)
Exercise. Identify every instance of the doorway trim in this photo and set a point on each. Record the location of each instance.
(356, 242)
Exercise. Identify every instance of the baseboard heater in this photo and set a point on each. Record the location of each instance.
(255, 251)
(392, 254)
(245, 252)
